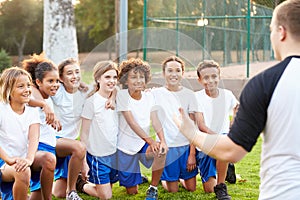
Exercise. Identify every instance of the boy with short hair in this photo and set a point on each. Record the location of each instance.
(215, 106)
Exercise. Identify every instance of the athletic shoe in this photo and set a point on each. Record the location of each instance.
(73, 196)
(152, 194)
(230, 176)
(80, 183)
(221, 192)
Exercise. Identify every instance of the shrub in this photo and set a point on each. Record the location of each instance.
(5, 60)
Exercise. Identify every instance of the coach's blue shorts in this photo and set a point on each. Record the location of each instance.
(102, 169)
(129, 167)
(176, 162)
(5, 187)
(207, 166)
(35, 183)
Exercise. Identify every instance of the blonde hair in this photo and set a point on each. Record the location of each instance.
(8, 80)
(99, 69)
(170, 59)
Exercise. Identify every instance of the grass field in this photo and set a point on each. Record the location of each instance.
(247, 186)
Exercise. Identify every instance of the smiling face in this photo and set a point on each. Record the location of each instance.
(209, 78)
(49, 85)
(136, 81)
(173, 74)
(107, 82)
(21, 91)
(71, 77)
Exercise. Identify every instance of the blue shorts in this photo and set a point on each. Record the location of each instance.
(35, 175)
(5, 187)
(207, 166)
(102, 169)
(175, 167)
(129, 167)
(61, 168)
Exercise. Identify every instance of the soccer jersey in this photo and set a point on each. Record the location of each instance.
(128, 141)
(68, 108)
(169, 103)
(102, 140)
(270, 103)
(216, 111)
(14, 129)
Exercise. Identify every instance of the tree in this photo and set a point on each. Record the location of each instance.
(98, 16)
(60, 41)
(18, 19)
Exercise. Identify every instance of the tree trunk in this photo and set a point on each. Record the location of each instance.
(20, 46)
(60, 40)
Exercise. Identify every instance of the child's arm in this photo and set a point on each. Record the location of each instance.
(39, 101)
(199, 119)
(6, 158)
(84, 136)
(191, 162)
(163, 149)
(139, 131)
(33, 141)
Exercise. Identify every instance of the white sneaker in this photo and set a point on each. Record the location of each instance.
(73, 196)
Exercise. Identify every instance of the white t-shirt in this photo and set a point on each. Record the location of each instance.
(216, 111)
(47, 133)
(14, 129)
(169, 104)
(128, 141)
(102, 140)
(68, 108)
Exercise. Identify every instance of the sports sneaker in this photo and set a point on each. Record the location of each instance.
(221, 192)
(73, 196)
(230, 176)
(152, 194)
(80, 183)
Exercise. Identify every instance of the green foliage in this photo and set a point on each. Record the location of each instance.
(98, 17)
(21, 21)
(5, 60)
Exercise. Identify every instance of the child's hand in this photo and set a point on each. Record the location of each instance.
(83, 87)
(163, 149)
(155, 146)
(110, 104)
(56, 124)
(84, 171)
(191, 163)
(49, 113)
(22, 164)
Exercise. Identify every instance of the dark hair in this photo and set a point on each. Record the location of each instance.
(173, 58)
(37, 66)
(207, 64)
(137, 65)
(61, 66)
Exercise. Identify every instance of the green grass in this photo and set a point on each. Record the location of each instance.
(247, 187)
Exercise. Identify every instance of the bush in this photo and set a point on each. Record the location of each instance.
(5, 60)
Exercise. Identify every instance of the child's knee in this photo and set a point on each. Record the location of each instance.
(23, 176)
(49, 162)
